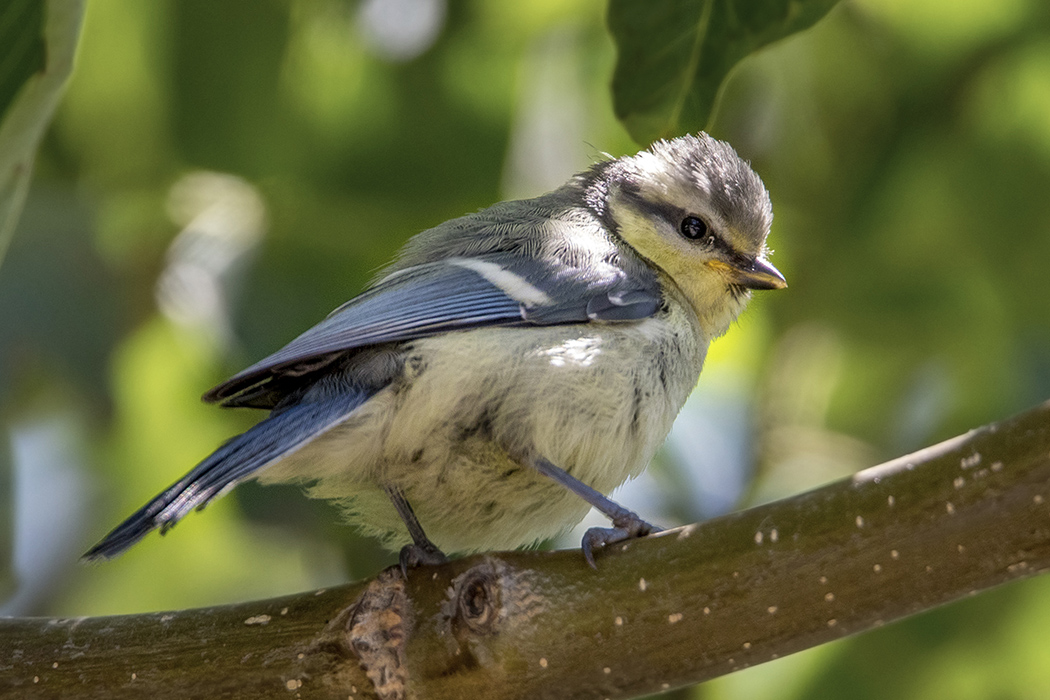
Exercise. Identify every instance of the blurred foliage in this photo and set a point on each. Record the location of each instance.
(38, 43)
(220, 175)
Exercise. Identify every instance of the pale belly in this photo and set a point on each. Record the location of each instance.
(457, 432)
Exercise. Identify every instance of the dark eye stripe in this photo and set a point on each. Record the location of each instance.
(695, 229)
(674, 216)
(653, 209)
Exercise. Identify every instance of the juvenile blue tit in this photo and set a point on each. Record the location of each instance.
(510, 367)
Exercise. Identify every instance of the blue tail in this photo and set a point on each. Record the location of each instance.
(282, 432)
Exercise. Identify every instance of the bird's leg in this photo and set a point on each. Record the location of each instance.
(422, 550)
(626, 523)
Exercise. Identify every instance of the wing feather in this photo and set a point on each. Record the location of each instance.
(447, 295)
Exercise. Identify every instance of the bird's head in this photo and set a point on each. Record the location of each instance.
(693, 208)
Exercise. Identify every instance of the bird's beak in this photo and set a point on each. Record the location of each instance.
(758, 274)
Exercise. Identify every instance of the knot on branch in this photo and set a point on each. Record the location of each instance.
(489, 599)
(475, 601)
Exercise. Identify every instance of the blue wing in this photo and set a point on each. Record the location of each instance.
(498, 289)
(283, 432)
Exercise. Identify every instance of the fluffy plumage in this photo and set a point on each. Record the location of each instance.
(568, 328)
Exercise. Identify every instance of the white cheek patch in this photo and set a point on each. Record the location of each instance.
(511, 284)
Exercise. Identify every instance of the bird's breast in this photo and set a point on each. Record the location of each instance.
(596, 399)
(456, 429)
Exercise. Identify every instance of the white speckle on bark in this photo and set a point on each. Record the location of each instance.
(642, 585)
(829, 597)
(891, 501)
(894, 554)
(258, 620)
(772, 609)
(959, 482)
(543, 662)
(949, 508)
(774, 535)
(877, 568)
(674, 617)
(619, 621)
(860, 521)
(758, 537)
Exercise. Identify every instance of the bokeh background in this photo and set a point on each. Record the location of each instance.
(221, 175)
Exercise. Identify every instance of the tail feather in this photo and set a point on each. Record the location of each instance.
(282, 433)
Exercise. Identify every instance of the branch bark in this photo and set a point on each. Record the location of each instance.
(668, 610)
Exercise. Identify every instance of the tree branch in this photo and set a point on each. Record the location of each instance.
(668, 610)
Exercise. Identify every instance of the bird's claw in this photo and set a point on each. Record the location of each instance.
(414, 555)
(626, 527)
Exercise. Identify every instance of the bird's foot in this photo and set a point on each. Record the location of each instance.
(415, 555)
(625, 527)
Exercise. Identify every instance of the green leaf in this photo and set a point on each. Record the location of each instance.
(37, 43)
(22, 33)
(674, 54)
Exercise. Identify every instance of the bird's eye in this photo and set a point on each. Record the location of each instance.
(694, 228)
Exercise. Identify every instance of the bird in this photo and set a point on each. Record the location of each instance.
(509, 368)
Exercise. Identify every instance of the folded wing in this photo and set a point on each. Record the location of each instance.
(450, 295)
